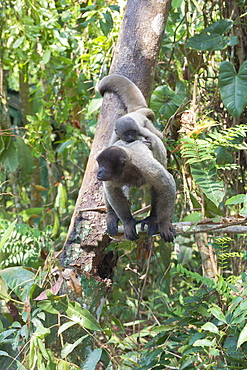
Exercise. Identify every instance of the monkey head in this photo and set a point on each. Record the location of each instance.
(127, 129)
(111, 161)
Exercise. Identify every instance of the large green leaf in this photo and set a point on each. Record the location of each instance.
(220, 27)
(166, 101)
(233, 87)
(211, 38)
(24, 157)
(8, 153)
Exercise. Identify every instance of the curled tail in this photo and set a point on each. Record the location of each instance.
(128, 92)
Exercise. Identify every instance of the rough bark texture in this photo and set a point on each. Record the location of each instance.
(135, 57)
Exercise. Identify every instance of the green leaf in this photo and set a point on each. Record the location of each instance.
(176, 3)
(106, 24)
(4, 290)
(92, 359)
(216, 311)
(61, 198)
(65, 326)
(24, 157)
(32, 353)
(68, 348)
(42, 348)
(211, 38)
(203, 343)
(86, 319)
(41, 332)
(243, 211)
(209, 326)
(242, 336)
(7, 234)
(233, 87)
(54, 305)
(63, 365)
(8, 153)
(18, 42)
(5, 365)
(211, 42)
(236, 199)
(220, 27)
(46, 57)
(64, 145)
(94, 105)
(166, 101)
(18, 279)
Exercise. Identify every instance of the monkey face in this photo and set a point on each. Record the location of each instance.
(127, 129)
(129, 136)
(111, 163)
(105, 172)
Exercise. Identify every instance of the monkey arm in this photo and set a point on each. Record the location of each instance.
(119, 204)
(114, 138)
(111, 219)
(156, 145)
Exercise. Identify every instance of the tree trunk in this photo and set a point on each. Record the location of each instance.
(135, 57)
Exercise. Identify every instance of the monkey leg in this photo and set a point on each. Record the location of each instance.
(163, 193)
(120, 205)
(164, 208)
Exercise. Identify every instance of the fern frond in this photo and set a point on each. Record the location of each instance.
(205, 178)
(197, 150)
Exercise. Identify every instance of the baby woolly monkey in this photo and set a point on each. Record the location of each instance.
(139, 119)
(124, 165)
(128, 130)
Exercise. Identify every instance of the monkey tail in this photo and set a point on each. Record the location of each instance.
(128, 92)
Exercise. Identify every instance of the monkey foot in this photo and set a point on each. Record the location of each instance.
(165, 228)
(167, 231)
(151, 224)
(130, 230)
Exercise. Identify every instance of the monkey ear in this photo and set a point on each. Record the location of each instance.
(122, 161)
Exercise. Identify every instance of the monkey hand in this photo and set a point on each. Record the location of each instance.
(167, 231)
(149, 142)
(130, 229)
(112, 223)
(152, 225)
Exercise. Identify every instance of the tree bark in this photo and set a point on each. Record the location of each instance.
(135, 57)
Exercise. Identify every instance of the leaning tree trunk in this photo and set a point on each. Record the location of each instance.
(135, 57)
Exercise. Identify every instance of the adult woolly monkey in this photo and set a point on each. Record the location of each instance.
(138, 113)
(124, 165)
